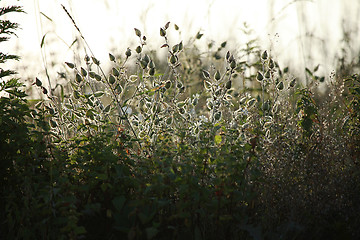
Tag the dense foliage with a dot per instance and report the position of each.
(218, 149)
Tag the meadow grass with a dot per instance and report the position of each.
(181, 148)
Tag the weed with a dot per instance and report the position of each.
(229, 148)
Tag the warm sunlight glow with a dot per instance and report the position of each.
(291, 30)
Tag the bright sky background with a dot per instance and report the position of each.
(108, 25)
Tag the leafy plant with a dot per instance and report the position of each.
(223, 146)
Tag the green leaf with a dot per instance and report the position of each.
(53, 123)
(98, 94)
(218, 139)
(107, 109)
(38, 82)
(89, 113)
(92, 74)
(316, 68)
(217, 75)
(309, 72)
(111, 79)
(119, 202)
(78, 78)
(162, 32)
(83, 72)
(206, 74)
(76, 95)
(95, 61)
(70, 65)
(111, 57)
(98, 77)
(151, 232)
(80, 230)
(259, 76)
(137, 32)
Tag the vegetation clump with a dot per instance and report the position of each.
(186, 148)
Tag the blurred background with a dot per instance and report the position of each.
(297, 33)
